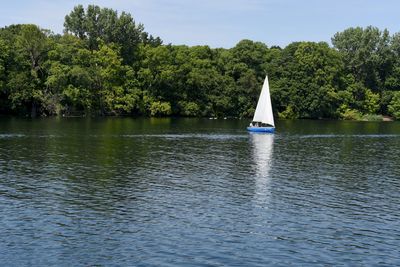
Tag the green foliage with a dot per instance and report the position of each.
(385, 99)
(288, 113)
(371, 102)
(309, 81)
(4, 54)
(189, 109)
(160, 109)
(4, 58)
(372, 117)
(367, 54)
(106, 64)
(25, 81)
(97, 24)
(350, 114)
(394, 106)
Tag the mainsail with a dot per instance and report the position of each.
(263, 112)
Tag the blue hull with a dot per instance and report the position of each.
(261, 129)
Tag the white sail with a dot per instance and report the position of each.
(264, 107)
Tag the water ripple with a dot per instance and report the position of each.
(96, 194)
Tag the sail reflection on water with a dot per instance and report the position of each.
(262, 145)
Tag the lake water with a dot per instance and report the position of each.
(198, 192)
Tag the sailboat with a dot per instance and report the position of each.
(263, 120)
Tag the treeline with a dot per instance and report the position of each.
(106, 64)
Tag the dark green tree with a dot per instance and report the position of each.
(95, 24)
(26, 77)
(366, 54)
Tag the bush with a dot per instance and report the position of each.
(371, 102)
(160, 109)
(289, 113)
(394, 106)
(372, 117)
(189, 109)
(351, 114)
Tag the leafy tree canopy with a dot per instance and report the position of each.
(106, 64)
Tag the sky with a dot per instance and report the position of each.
(222, 23)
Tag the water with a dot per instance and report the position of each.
(187, 192)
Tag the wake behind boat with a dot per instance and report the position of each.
(263, 120)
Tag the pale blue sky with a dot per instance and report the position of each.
(222, 23)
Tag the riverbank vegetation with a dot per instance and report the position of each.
(107, 64)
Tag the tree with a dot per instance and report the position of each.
(26, 79)
(106, 64)
(4, 57)
(76, 22)
(366, 54)
(253, 54)
(394, 106)
(95, 24)
(309, 81)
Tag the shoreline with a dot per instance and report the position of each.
(372, 118)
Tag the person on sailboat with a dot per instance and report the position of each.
(255, 124)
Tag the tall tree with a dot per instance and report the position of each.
(4, 58)
(308, 81)
(26, 79)
(95, 24)
(366, 54)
